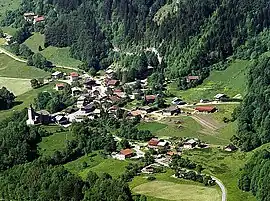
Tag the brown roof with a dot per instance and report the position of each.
(114, 98)
(150, 97)
(205, 109)
(112, 82)
(136, 112)
(60, 85)
(126, 152)
(153, 142)
(74, 74)
(193, 77)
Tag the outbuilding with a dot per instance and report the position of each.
(208, 109)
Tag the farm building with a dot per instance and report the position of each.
(220, 97)
(57, 75)
(124, 154)
(230, 148)
(192, 78)
(208, 109)
(38, 19)
(153, 143)
(190, 144)
(171, 111)
(29, 16)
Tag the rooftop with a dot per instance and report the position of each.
(126, 152)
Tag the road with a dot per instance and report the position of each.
(2, 50)
(222, 187)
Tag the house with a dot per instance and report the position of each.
(81, 101)
(190, 144)
(146, 109)
(89, 83)
(137, 113)
(38, 19)
(29, 16)
(112, 83)
(126, 153)
(76, 91)
(173, 110)
(150, 99)
(204, 101)
(192, 78)
(208, 109)
(230, 148)
(40, 117)
(61, 120)
(74, 76)
(88, 108)
(59, 86)
(221, 97)
(114, 98)
(163, 144)
(153, 143)
(120, 93)
(178, 101)
(57, 75)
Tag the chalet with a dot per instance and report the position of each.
(221, 97)
(173, 110)
(29, 16)
(192, 78)
(136, 113)
(208, 109)
(230, 148)
(76, 91)
(112, 83)
(89, 83)
(57, 75)
(163, 144)
(59, 86)
(61, 120)
(126, 153)
(41, 117)
(146, 109)
(190, 144)
(74, 76)
(88, 108)
(153, 143)
(150, 99)
(38, 19)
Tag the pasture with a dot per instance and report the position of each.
(58, 56)
(16, 85)
(178, 192)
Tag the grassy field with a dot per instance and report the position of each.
(189, 128)
(14, 69)
(225, 166)
(17, 86)
(96, 163)
(8, 5)
(179, 192)
(231, 81)
(24, 100)
(9, 30)
(55, 142)
(59, 56)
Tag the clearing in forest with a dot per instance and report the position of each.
(178, 192)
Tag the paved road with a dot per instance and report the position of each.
(222, 187)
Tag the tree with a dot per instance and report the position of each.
(124, 143)
(40, 61)
(1, 33)
(148, 158)
(25, 51)
(34, 83)
(6, 98)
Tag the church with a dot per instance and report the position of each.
(40, 117)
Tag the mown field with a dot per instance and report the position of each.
(16, 85)
(14, 69)
(58, 56)
(231, 81)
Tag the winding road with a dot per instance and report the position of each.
(222, 187)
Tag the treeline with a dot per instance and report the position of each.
(40, 181)
(253, 116)
(255, 175)
(7, 99)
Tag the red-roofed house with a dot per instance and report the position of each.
(192, 78)
(39, 19)
(59, 86)
(153, 143)
(126, 153)
(208, 109)
(150, 98)
(112, 83)
(74, 76)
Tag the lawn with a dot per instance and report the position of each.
(231, 81)
(24, 100)
(14, 69)
(58, 56)
(179, 192)
(16, 85)
(96, 163)
(225, 166)
(54, 142)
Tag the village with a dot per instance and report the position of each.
(105, 93)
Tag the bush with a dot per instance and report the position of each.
(151, 178)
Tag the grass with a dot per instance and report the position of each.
(225, 166)
(6, 5)
(190, 128)
(24, 100)
(55, 142)
(231, 81)
(58, 56)
(179, 192)
(14, 69)
(9, 30)
(96, 163)
(17, 86)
